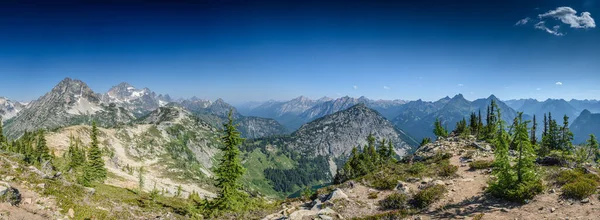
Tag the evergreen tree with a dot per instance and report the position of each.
(545, 131)
(425, 141)
(229, 171)
(371, 152)
(526, 154)
(439, 130)
(592, 145)
(141, 180)
(502, 168)
(75, 153)
(391, 152)
(461, 127)
(95, 170)
(2, 138)
(533, 130)
(479, 124)
(382, 151)
(42, 153)
(566, 136)
(473, 123)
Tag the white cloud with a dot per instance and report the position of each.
(542, 26)
(565, 15)
(523, 21)
(460, 85)
(386, 87)
(558, 83)
(355, 86)
(569, 16)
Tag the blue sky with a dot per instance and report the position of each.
(260, 50)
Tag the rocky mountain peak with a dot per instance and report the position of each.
(337, 133)
(585, 112)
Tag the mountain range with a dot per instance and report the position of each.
(308, 139)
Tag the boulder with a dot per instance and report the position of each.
(71, 213)
(9, 194)
(337, 194)
(403, 187)
(316, 205)
(327, 211)
(439, 182)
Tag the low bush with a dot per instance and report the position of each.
(394, 201)
(446, 169)
(373, 195)
(580, 188)
(429, 195)
(385, 182)
(391, 215)
(567, 176)
(517, 193)
(417, 168)
(481, 164)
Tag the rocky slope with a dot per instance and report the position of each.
(464, 196)
(173, 146)
(9, 108)
(68, 103)
(335, 135)
(216, 113)
(587, 123)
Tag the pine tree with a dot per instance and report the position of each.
(141, 180)
(41, 151)
(526, 155)
(2, 138)
(502, 168)
(479, 124)
(533, 130)
(592, 145)
(461, 127)
(371, 152)
(383, 153)
(425, 141)
(179, 190)
(566, 136)
(545, 131)
(438, 130)
(230, 171)
(95, 167)
(473, 123)
(391, 151)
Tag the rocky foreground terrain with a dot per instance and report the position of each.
(465, 197)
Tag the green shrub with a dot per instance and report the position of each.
(391, 215)
(517, 193)
(567, 176)
(417, 168)
(439, 156)
(394, 201)
(385, 182)
(580, 189)
(526, 191)
(373, 195)
(446, 169)
(481, 164)
(429, 195)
